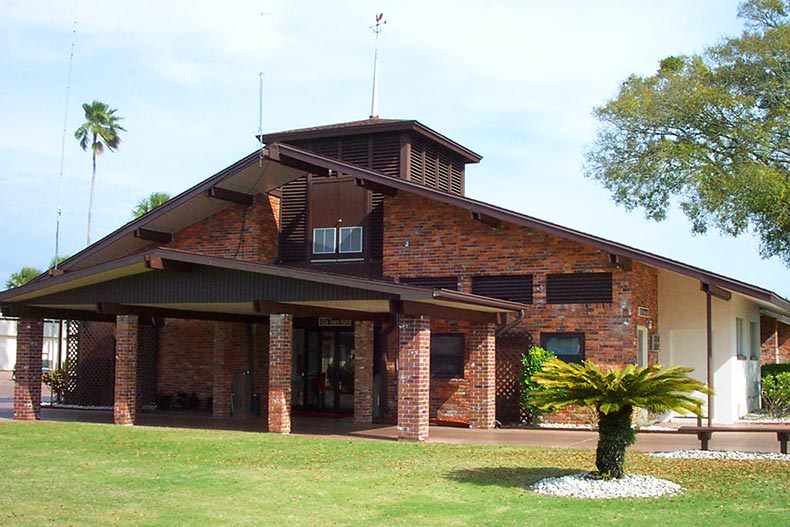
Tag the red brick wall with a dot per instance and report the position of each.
(222, 235)
(482, 381)
(27, 389)
(775, 341)
(280, 365)
(126, 350)
(363, 372)
(426, 238)
(413, 378)
(185, 358)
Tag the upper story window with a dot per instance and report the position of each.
(350, 239)
(579, 288)
(331, 240)
(515, 288)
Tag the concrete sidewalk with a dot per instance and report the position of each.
(344, 428)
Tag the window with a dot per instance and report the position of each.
(515, 288)
(579, 288)
(329, 240)
(568, 347)
(350, 239)
(447, 355)
(324, 241)
(740, 350)
(754, 341)
(641, 346)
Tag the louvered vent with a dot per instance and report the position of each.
(457, 177)
(292, 220)
(435, 282)
(417, 160)
(444, 172)
(377, 226)
(430, 165)
(356, 150)
(579, 288)
(515, 288)
(325, 147)
(386, 154)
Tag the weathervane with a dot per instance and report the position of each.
(374, 103)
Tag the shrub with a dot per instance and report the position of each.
(532, 363)
(774, 369)
(775, 394)
(56, 380)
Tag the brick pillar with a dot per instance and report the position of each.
(280, 365)
(363, 372)
(126, 350)
(221, 388)
(482, 376)
(414, 361)
(27, 390)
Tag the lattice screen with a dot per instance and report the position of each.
(90, 363)
(509, 348)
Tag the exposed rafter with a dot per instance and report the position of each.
(230, 195)
(153, 235)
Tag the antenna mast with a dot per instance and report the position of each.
(374, 103)
(63, 141)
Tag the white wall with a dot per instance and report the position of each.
(49, 350)
(682, 322)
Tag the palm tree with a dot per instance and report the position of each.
(22, 277)
(614, 394)
(146, 205)
(100, 129)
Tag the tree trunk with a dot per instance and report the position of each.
(614, 436)
(90, 196)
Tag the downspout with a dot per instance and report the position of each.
(510, 325)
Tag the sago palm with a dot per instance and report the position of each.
(614, 394)
(100, 129)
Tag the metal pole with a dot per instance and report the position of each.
(709, 310)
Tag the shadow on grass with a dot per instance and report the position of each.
(508, 476)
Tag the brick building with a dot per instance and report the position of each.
(343, 270)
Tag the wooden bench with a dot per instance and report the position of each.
(704, 433)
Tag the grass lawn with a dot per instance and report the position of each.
(87, 474)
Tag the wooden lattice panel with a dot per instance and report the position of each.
(509, 349)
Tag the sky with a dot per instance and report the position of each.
(514, 81)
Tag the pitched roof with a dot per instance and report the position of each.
(284, 153)
(370, 126)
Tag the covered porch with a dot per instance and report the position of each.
(259, 301)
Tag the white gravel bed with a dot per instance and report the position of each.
(722, 454)
(588, 486)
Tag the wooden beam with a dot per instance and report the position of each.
(113, 309)
(156, 262)
(11, 310)
(277, 308)
(376, 187)
(716, 291)
(55, 272)
(488, 220)
(407, 307)
(153, 235)
(274, 153)
(230, 195)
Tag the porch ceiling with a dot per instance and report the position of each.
(177, 284)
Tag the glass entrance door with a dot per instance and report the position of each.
(329, 370)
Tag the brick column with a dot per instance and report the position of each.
(363, 372)
(280, 365)
(221, 388)
(414, 360)
(482, 376)
(27, 390)
(126, 350)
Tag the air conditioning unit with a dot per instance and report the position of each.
(655, 342)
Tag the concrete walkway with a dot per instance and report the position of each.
(344, 428)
